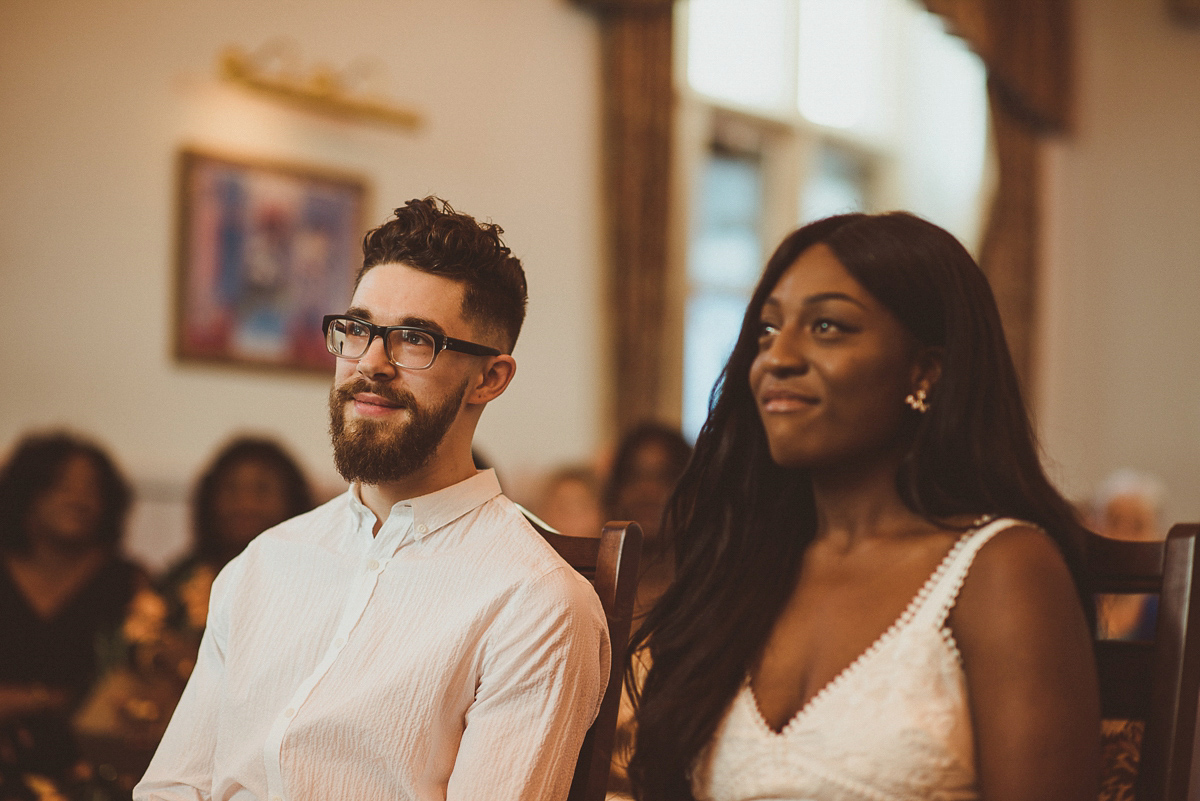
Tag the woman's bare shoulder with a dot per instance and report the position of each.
(1027, 656)
(1017, 561)
(1018, 586)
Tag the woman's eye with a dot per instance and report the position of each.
(827, 327)
(766, 329)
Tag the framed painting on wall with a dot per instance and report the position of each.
(265, 249)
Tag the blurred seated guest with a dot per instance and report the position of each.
(570, 502)
(251, 485)
(1128, 506)
(649, 461)
(64, 588)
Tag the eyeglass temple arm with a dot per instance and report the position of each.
(462, 346)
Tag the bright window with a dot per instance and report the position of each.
(842, 75)
(838, 182)
(855, 105)
(723, 264)
(742, 51)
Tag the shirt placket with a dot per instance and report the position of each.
(397, 529)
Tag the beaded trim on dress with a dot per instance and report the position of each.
(905, 618)
(894, 724)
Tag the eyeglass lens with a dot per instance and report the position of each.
(405, 346)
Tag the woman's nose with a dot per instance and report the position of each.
(784, 354)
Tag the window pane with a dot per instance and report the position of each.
(742, 50)
(713, 322)
(727, 250)
(836, 185)
(842, 63)
(944, 144)
(724, 262)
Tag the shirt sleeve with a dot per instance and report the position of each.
(543, 675)
(182, 768)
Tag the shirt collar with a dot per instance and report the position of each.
(437, 509)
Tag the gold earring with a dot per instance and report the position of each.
(917, 401)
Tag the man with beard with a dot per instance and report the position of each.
(414, 638)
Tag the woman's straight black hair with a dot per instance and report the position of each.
(740, 523)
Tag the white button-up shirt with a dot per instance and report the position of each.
(454, 655)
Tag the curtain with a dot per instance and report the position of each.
(1026, 46)
(636, 39)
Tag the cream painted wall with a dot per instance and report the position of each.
(1120, 371)
(95, 100)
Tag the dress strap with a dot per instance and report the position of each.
(944, 592)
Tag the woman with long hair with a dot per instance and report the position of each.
(64, 589)
(877, 591)
(650, 458)
(250, 485)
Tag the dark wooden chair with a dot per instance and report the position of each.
(610, 562)
(1157, 682)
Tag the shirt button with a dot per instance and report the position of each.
(339, 642)
(421, 529)
(289, 712)
(373, 564)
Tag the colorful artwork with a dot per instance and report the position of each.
(265, 250)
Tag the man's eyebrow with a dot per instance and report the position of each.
(423, 322)
(412, 322)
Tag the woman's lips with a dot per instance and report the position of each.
(779, 400)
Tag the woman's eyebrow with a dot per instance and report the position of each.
(820, 297)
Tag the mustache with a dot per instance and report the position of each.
(346, 392)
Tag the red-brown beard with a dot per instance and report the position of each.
(376, 452)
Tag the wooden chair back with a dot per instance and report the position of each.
(1156, 682)
(610, 562)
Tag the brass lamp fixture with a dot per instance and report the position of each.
(271, 72)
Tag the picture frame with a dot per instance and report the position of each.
(265, 249)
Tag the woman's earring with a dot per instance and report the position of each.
(917, 401)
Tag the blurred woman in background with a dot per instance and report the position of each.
(570, 501)
(1128, 506)
(649, 460)
(63, 585)
(251, 485)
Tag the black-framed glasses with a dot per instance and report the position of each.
(405, 346)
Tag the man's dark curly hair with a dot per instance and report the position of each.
(430, 236)
(35, 465)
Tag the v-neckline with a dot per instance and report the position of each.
(65, 605)
(905, 617)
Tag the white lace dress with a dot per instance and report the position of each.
(895, 724)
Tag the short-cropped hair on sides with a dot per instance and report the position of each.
(429, 235)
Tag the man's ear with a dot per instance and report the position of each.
(491, 384)
(927, 368)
